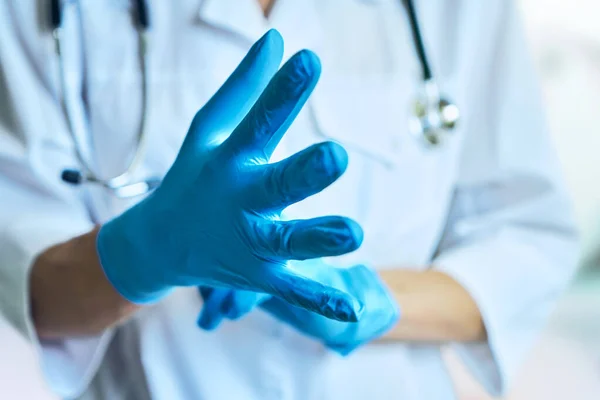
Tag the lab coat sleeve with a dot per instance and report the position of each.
(510, 239)
(36, 210)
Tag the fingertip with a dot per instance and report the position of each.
(266, 55)
(355, 233)
(338, 152)
(200, 321)
(300, 76)
(335, 160)
(310, 61)
(205, 322)
(233, 314)
(274, 37)
(341, 235)
(272, 42)
(343, 307)
(210, 316)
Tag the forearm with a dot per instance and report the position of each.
(70, 295)
(434, 308)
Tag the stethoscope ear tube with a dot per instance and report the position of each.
(142, 14)
(55, 14)
(415, 28)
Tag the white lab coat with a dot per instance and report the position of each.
(489, 208)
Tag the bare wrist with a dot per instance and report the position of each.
(70, 295)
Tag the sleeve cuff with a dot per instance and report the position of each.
(68, 365)
(511, 282)
(482, 359)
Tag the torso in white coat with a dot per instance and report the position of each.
(398, 191)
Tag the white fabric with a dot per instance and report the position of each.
(489, 208)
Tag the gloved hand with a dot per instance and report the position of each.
(380, 313)
(215, 220)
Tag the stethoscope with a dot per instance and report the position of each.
(123, 185)
(433, 118)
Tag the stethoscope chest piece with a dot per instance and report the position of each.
(434, 118)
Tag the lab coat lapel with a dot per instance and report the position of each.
(241, 17)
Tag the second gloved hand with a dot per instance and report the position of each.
(380, 312)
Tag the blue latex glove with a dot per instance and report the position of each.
(380, 314)
(215, 220)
